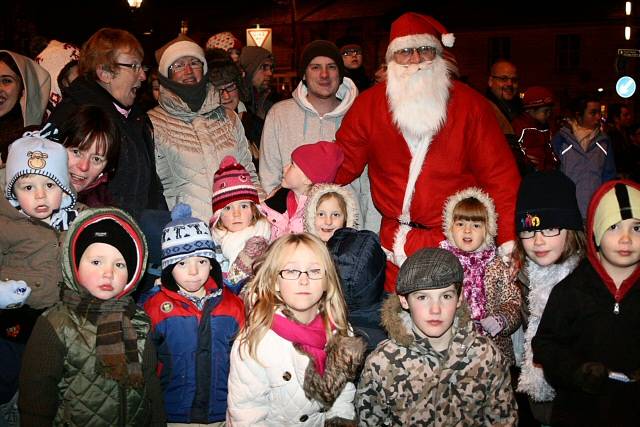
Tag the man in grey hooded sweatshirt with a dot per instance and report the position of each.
(314, 114)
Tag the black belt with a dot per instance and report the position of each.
(413, 224)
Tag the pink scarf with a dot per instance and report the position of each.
(312, 337)
(474, 265)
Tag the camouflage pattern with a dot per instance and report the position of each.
(405, 382)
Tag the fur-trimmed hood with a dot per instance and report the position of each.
(397, 321)
(92, 216)
(319, 190)
(482, 197)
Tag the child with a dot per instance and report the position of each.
(310, 164)
(294, 359)
(550, 245)
(532, 132)
(470, 225)
(88, 361)
(332, 214)
(194, 320)
(37, 208)
(588, 338)
(38, 205)
(434, 370)
(330, 207)
(585, 152)
(239, 228)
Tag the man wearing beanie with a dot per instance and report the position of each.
(314, 113)
(587, 340)
(192, 130)
(258, 64)
(424, 136)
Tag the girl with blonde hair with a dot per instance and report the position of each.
(295, 359)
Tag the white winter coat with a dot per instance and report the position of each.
(190, 145)
(270, 393)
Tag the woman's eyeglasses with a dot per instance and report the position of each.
(136, 68)
(178, 67)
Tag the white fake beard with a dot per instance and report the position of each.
(418, 96)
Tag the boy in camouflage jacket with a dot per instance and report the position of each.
(434, 370)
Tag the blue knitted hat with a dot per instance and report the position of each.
(185, 237)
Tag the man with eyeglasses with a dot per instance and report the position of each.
(503, 95)
(351, 51)
(424, 136)
(193, 131)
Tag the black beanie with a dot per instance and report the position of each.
(547, 200)
(112, 233)
(321, 48)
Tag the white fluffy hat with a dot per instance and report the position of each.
(176, 49)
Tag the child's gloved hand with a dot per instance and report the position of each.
(492, 325)
(590, 377)
(13, 293)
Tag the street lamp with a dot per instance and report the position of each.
(134, 4)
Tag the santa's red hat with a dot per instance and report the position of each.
(415, 30)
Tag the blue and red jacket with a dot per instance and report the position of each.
(193, 355)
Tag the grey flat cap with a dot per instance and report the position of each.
(429, 268)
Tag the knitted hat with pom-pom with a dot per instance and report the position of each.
(185, 237)
(231, 183)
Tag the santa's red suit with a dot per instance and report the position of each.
(469, 150)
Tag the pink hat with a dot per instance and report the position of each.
(224, 41)
(319, 162)
(414, 30)
(536, 97)
(232, 182)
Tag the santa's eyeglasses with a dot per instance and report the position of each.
(426, 53)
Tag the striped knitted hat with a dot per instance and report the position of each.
(185, 237)
(232, 182)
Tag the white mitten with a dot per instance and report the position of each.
(13, 293)
(505, 250)
(492, 325)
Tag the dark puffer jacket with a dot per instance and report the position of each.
(135, 185)
(361, 265)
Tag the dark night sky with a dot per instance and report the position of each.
(75, 20)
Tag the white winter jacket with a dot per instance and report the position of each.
(270, 393)
(189, 147)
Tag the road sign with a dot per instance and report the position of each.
(633, 53)
(625, 86)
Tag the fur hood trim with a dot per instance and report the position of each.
(319, 190)
(397, 321)
(345, 355)
(482, 197)
(413, 40)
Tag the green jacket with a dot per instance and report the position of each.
(59, 384)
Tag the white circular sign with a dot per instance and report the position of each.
(625, 86)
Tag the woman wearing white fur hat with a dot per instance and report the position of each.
(193, 130)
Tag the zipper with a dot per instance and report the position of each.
(616, 306)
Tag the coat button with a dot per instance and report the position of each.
(273, 220)
(37, 284)
(304, 418)
(286, 376)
